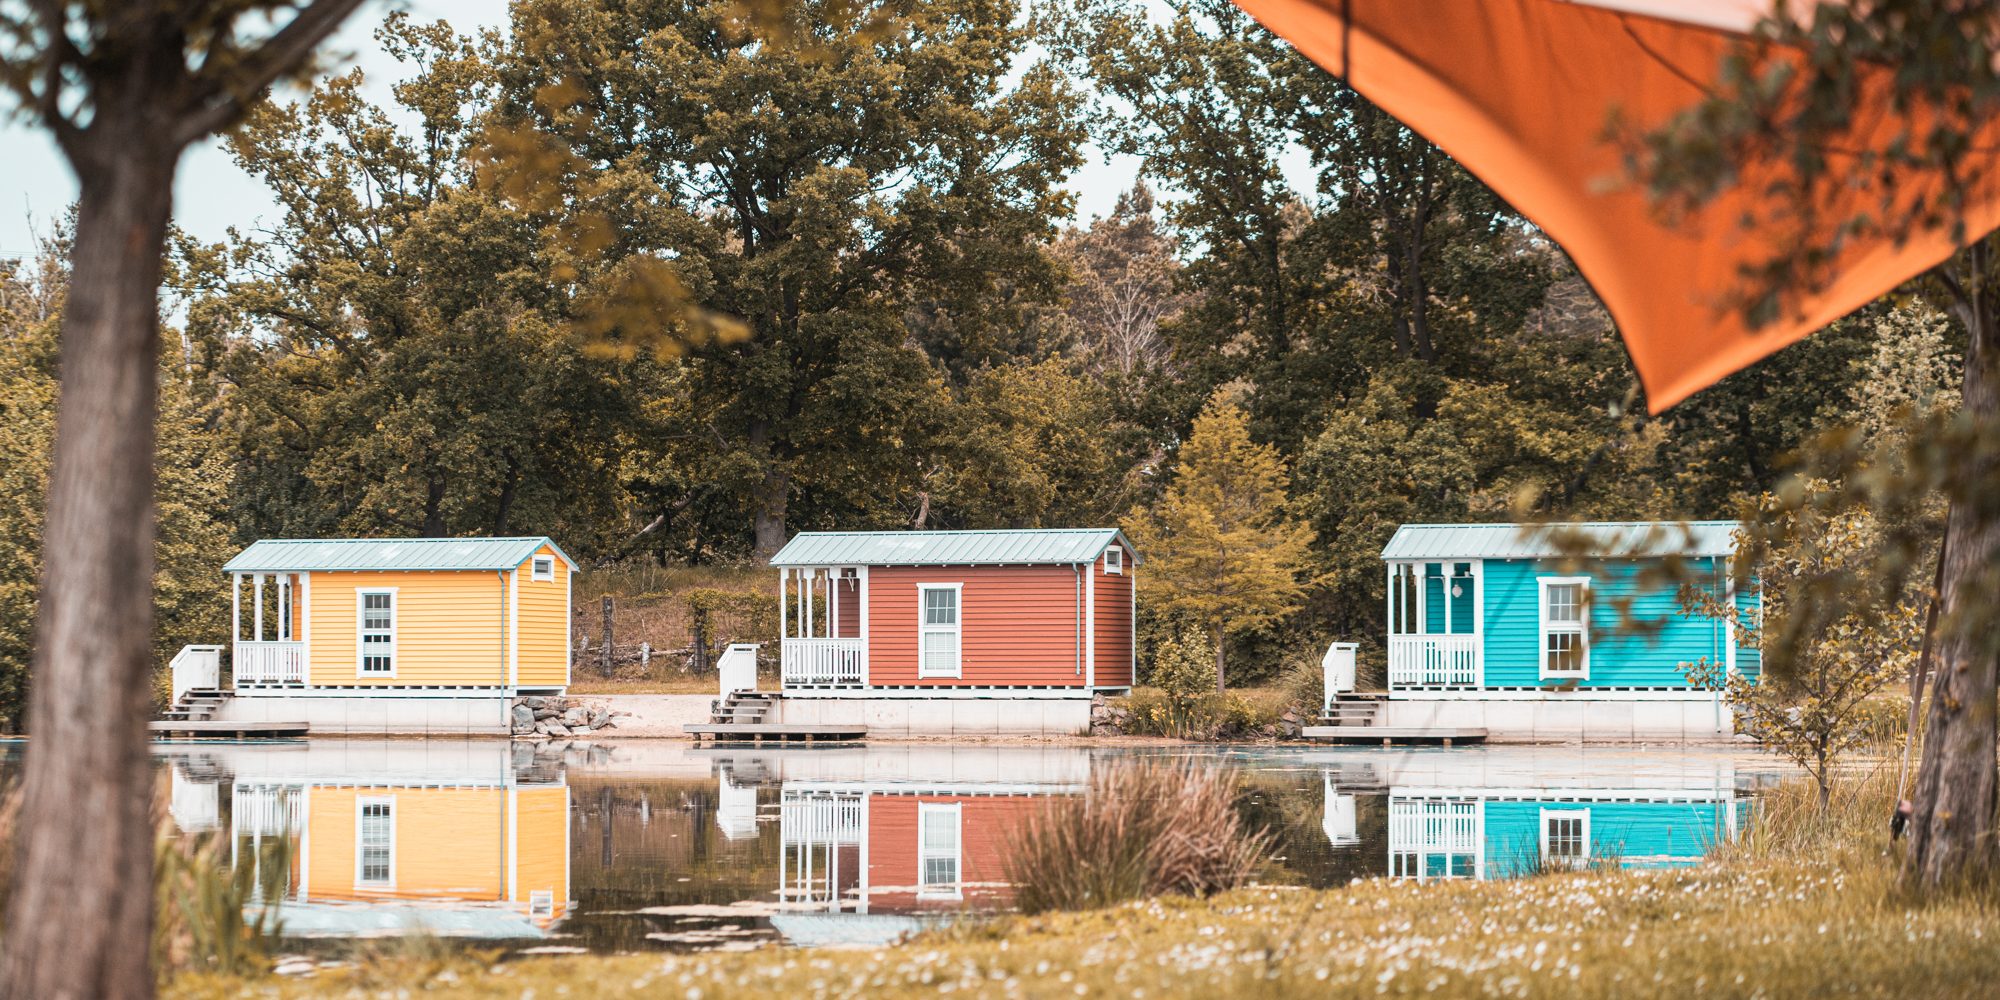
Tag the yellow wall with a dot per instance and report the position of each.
(450, 843)
(545, 625)
(450, 627)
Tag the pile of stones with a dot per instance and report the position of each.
(1107, 719)
(559, 718)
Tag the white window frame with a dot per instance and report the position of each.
(542, 569)
(542, 903)
(1114, 560)
(361, 804)
(957, 630)
(1582, 816)
(1581, 628)
(361, 596)
(956, 853)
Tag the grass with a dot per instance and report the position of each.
(583, 685)
(1814, 907)
(1139, 829)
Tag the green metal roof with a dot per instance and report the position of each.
(1029, 547)
(1630, 539)
(292, 555)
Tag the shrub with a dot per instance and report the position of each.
(1139, 830)
(207, 917)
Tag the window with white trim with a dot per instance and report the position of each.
(938, 632)
(375, 858)
(377, 624)
(1114, 560)
(1565, 631)
(1566, 837)
(542, 903)
(542, 569)
(939, 849)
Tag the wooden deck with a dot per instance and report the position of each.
(1386, 735)
(761, 731)
(211, 727)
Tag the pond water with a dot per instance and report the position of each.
(666, 845)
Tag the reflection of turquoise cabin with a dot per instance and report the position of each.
(1435, 836)
(1507, 627)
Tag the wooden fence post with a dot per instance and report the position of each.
(604, 655)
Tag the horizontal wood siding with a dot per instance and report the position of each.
(544, 625)
(1646, 650)
(1020, 625)
(985, 824)
(1114, 625)
(849, 625)
(450, 627)
(541, 847)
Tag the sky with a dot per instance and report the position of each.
(211, 194)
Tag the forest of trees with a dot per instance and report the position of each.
(916, 330)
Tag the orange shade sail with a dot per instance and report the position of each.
(1523, 93)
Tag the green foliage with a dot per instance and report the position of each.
(1840, 634)
(209, 903)
(192, 492)
(1221, 545)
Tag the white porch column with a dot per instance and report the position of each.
(784, 618)
(257, 614)
(1479, 621)
(235, 608)
(833, 604)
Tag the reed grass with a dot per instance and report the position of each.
(1140, 829)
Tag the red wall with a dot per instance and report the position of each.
(1114, 625)
(1018, 625)
(848, 625)
(986, 822)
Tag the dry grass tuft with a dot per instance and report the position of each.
(1141, 829)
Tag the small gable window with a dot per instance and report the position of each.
(544, 568)
(1114, 560)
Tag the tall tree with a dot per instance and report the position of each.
(1926, 75)
(1222, 546)
(124, 88)
(906, 167)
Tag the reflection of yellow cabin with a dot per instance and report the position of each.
(384, 844)
(376, 615)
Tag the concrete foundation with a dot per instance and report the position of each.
(331, 714)
(892, 718)
(1568, 720)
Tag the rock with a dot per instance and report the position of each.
(557, 729)
(599, 715)
(524, 718)
(546, 712)
(536, 703)
(575, 717)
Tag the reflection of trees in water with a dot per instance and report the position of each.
(638, 843)
(1292, 804)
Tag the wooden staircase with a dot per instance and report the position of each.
(1354, 709)
(740, 708)
(197, 705)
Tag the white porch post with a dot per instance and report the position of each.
(1479, 622)
(235, 608)
(304, 626)
(784, 619)
(863, 584)
(833, 604)
(257, 614)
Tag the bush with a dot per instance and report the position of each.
(1139, 830)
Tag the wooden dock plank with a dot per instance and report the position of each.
(772, 731)
(1394, 734)
(212, 727)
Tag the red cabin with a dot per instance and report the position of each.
(870, 613)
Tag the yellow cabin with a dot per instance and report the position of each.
(403, 617)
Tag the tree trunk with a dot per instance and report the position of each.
(1221, 641)
(769, 520)
(81, 918)
(1951, 828)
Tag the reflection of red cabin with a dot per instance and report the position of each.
(941, 852)
(958, 609)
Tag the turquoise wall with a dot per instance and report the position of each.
(1642, 834)
(1645, 649)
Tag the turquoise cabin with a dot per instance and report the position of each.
(1558, 631)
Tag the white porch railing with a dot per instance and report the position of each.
(1435, 838)
(1433, 660)
(196, 667)
(823, 661)
(270, 663)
